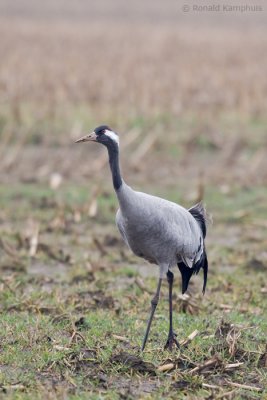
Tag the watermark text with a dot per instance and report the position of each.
(242, 8)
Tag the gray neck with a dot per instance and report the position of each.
(113, 152)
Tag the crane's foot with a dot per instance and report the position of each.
(171, 341)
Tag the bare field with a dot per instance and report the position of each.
(134, 69)
(190, 102)
(199, 90)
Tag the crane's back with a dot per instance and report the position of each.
(157, 229)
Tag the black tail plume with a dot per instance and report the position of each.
(205, 266)
(187, 272)
(199, 213)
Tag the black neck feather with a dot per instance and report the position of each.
(113, 152)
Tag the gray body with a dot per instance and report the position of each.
(158, 230)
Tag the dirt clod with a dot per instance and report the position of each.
(134, 362)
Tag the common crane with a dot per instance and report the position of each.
(158, 230)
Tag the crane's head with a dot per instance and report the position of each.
(102, 134)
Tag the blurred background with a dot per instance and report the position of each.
(185, 86)
(192, 84)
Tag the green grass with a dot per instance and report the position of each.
(43, 352)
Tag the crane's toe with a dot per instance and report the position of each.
(171, 341)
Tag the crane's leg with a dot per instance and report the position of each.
(171, 338)
(154, 303)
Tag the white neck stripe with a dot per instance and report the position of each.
(112, 135)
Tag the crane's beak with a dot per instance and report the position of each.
(87, 138)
